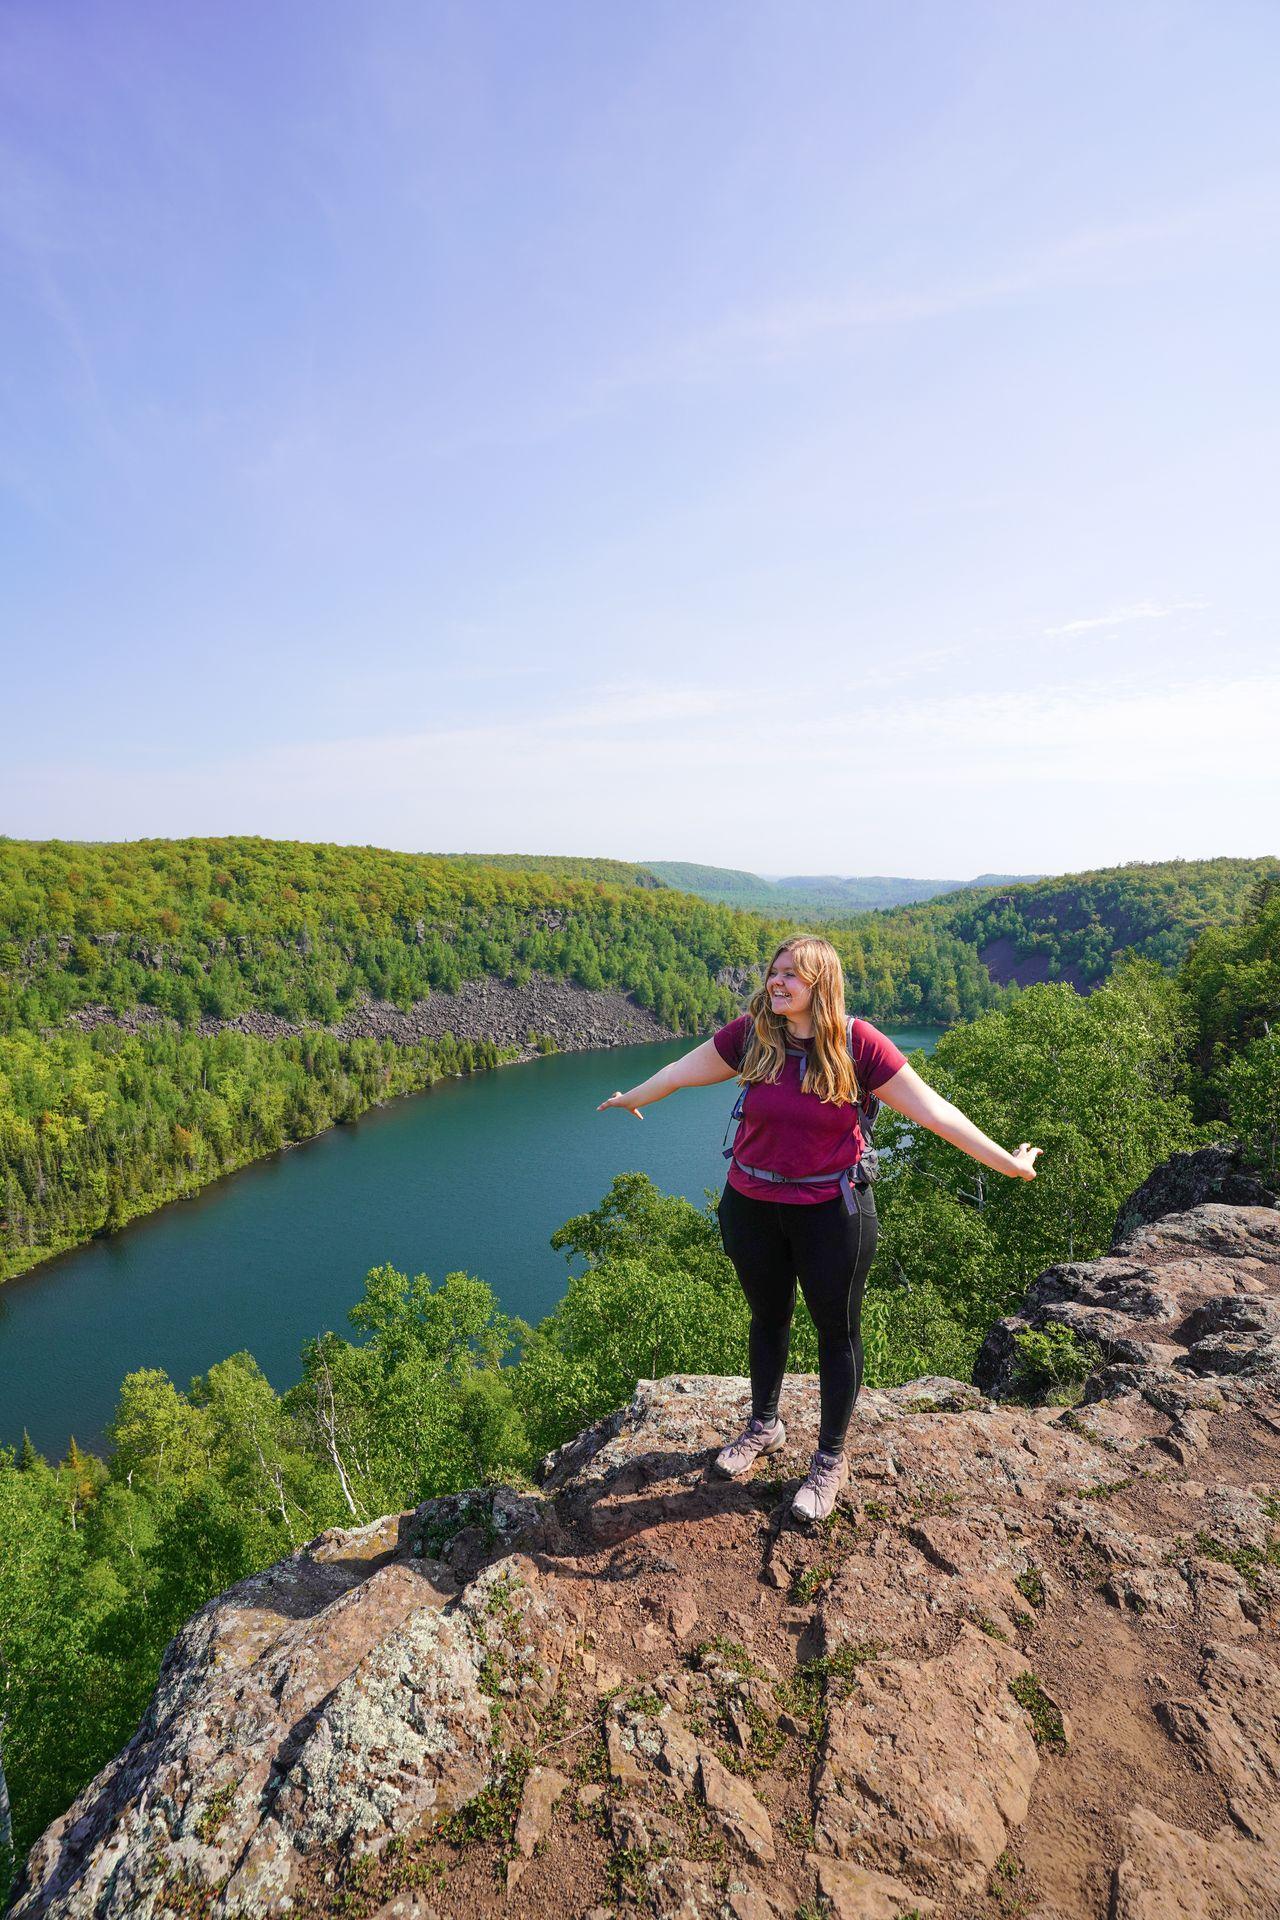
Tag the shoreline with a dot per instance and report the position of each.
(578, 1039)
(575, 1019)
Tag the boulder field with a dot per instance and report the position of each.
(1029, 1668)
(575, 1018)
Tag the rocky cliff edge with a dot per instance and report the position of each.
(1030, 1667)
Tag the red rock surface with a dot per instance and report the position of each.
(1030, 1667)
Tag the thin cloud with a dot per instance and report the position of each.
(614, 773)
(1125, 251)
(1124, 616)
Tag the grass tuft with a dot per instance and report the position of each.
(1247, 1561)
(1047, 1728)
(817, 1685)
(1030, 1584)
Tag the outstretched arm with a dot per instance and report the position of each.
(701, 1068)
(916, 1100)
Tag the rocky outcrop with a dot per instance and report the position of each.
(499, 1010)
(575, 1018)
(1187, 1180)
(1008, 965)
(1186, 1294)
(1030, 1667)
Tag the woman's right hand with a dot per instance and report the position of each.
(620, 1100)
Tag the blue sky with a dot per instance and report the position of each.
(809, 437)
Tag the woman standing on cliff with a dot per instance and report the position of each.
(795, 1207)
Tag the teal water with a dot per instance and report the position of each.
(474, 1174)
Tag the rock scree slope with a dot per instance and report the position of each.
(1029, 1667)
(575, 1018)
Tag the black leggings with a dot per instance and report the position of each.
(772, 1243)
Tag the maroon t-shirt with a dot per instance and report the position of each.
(786, 1130)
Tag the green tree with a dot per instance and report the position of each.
(621, 1321)
(421, 1407)
(658, 1296)
(1098, 1082)
(159, 1440)
(285, 1496)
(45, 1662)
(1250, 1084)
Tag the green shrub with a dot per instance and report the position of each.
(1051, 1366)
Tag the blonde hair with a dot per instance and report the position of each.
(829, 1070)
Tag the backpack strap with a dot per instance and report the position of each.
(868, 1108)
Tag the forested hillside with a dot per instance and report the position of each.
(730, 886)
(1076, 926)
(176, 939)
(616, 873)
(222, 926)
(829, 896)
(835, 895)
(1232, 978)
(99, 1126)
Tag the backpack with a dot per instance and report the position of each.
(861, 1173)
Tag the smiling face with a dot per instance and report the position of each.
(789, 995)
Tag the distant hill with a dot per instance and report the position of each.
(838, 894)
(729, 886)
(1021, 930)
(1073, 927)
(827, 895)
(614, 873)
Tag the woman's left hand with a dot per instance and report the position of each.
(620, 1100)
(1025, 1158)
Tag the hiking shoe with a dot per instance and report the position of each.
(741, 1454)
(816, 1497)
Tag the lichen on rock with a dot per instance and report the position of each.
(1032, 1658)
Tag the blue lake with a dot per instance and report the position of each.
(474, 1174)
